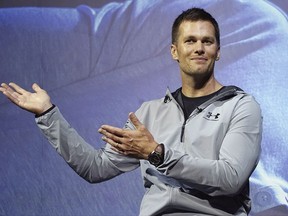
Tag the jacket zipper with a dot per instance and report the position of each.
(199, 110)
(182, 131)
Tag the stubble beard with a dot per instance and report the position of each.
(199, 76)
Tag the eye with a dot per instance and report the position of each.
(208, 42)
(190, 40)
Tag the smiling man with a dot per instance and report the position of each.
(196, 49)
(196, 147)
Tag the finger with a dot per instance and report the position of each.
(115, 149)
(123, 152)
(17, 88)
(102, 131)
(110, 141)
(110, 136)
(9, 93)
(115, 145)
(36, 87)
(118, 151)
(4, 88)
(113, 130)
(135, 121)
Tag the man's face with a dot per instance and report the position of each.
(196, 49)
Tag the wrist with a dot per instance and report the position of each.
(47, 106)
(156, 157)
(46, 110)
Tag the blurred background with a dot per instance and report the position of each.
(101, 60)
(93, 3)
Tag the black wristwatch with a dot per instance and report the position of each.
(156, 157)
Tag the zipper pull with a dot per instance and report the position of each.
(182, 131)
(199, 109)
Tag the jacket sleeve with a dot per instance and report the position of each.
(94, 165)
(238, 156)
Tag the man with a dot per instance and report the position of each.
(196, 147)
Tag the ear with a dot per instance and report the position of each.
(174, 53)
(218, 54)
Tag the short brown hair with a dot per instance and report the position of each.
(194, 14)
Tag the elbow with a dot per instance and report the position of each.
(232, 185)
(95, 177)
(232, 189)
(92, 181)
(88, 177)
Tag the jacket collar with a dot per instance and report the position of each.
(225, 93)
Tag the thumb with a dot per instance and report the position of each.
(36, 87)
(135, 121)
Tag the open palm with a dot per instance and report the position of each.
(36, 102)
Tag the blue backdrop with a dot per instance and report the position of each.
(98, 64)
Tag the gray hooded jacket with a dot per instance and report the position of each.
(208, 158)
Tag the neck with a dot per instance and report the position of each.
(199, 88)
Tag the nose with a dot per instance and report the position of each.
(199, 47)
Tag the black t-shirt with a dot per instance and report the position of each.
(190, 104)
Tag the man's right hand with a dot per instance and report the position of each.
(37, 102)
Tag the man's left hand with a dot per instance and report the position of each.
(137, 143)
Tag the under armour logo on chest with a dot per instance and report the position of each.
(211, 116)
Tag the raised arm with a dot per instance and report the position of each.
(94, 165)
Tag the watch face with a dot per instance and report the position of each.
(154, 158)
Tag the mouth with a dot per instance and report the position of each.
(199, 59)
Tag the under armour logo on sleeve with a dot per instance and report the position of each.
(167, 99)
